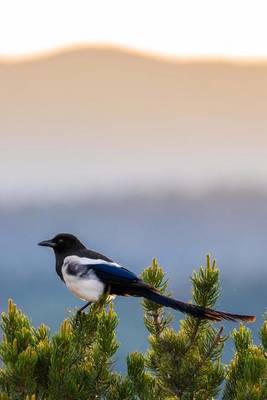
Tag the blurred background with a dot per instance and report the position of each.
(141, 128)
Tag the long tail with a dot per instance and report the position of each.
(191, 309)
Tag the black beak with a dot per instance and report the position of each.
(47, 243)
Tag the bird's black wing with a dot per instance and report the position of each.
(118, 280)
(111, 274)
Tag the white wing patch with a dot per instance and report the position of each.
(87, 261)
(88, 288)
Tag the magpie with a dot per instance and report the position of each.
(88, 275)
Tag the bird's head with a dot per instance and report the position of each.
(63, 243)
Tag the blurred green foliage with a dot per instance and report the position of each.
(184, 363)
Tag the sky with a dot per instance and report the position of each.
(190, 28)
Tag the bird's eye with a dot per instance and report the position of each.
(61, 241)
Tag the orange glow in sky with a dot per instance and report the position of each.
(169, 27)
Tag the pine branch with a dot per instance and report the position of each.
(211, 353)
(188, 361)
(155, 316)
(247, 372)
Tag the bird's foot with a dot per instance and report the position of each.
(83, 307)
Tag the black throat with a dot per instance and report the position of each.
(59, 264)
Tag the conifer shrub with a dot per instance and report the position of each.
(77, 363)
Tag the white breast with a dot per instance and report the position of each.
(89, 288)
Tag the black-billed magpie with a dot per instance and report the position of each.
(89, 275)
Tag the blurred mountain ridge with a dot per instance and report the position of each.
(114, 122)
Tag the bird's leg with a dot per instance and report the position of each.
(83, 307)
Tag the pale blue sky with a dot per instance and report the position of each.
(169, 27)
